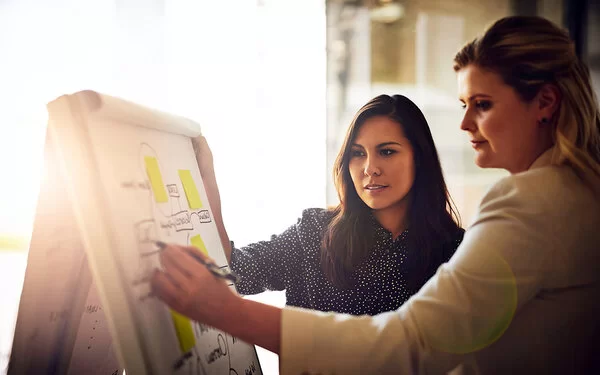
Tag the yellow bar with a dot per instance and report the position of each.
(189, 186)
(199, 244)
(185, 332)
(158, 187)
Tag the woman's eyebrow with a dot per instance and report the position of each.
(381, 145)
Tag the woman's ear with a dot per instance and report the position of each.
(548, 100)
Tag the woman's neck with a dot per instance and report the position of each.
(393, 219)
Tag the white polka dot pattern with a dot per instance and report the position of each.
(291, 262)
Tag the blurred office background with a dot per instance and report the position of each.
(274, 84)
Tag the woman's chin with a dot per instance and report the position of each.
(380, 206)
(483, 161)
(375, 206)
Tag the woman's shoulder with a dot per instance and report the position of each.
(315, 216)
(552, 199)
(547, 189)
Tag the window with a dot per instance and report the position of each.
(407, 47)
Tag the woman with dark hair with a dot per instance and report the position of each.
(394, 225)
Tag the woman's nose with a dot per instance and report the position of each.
(372, 168)
(468, 123)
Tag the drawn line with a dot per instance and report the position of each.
(199, 361)
(151, 253)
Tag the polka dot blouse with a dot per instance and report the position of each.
(291, 262)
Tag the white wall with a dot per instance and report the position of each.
(252, 73)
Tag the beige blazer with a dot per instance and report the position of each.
(521, 295)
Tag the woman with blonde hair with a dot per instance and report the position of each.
(521, 295)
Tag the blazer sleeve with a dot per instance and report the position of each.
(499, 266)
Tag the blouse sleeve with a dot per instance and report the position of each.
(270, 265)
(467, 305)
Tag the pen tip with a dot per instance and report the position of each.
(160, 244)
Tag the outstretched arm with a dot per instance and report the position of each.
(264, 265)
(465, 307)
(190, 289)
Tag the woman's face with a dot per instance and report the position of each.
(504, 130)
(381, 164)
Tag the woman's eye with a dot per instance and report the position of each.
(356, 153)
(387, 152)
(483, 104)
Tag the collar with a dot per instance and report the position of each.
(383, 234)
(544, 160)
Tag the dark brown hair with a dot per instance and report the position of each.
(432, 217)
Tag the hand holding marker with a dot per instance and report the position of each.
(213, 268)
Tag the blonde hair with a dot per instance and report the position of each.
(529, 52)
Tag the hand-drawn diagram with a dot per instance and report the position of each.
(171, 219)
(219, 352)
